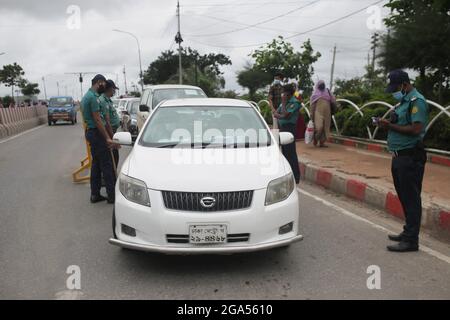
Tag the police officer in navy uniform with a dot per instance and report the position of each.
(406, 129)
(99, 140)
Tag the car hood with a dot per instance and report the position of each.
(206, 170)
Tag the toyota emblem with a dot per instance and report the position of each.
(208, 202)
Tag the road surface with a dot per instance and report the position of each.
(48, 224)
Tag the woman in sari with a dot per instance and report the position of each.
(321, 101)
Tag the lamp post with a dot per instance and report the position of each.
(139, 52)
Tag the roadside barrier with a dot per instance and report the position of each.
(16, 120)
(86, 163)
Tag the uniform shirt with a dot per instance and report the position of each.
(293, 107)
(89, 104)
(275, 92)
(412, 108)
(107, 108)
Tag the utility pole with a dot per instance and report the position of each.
(125, 80)
(57, 85)
(374, 47)
(80, 79)
(332, 68)
(179, 40)
(45, 89)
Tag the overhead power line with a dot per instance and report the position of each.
(258, 23)
(298, 33)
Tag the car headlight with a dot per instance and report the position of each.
(279, 189)
(134, 190)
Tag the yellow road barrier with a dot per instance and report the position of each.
(86, 163)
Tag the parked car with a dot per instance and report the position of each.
(129, 121)
(122, 106)
(153, 95)
(167, 201)
(61, 108)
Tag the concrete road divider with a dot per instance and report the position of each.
(16, 120)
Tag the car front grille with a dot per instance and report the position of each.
(184, 238)
(192, 201)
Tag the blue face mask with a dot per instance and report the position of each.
(399, 95)
(276, 81)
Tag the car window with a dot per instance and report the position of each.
(175, 93)
(145, 96)
(212, 126)
(60, 101)
(134, 108)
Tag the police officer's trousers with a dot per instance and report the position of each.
(407, 172)
(101, 163)
(290, 151)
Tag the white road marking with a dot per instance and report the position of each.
(21, 134)
(423, 248)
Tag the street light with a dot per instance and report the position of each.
(139, 52)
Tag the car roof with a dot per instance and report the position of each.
(171, 86)
(206, 102)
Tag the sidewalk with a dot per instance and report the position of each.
(366, 176)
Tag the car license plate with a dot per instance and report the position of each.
(207, 234)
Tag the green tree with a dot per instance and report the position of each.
(279, 55)
(253, 79)
(11, 76)
(418, 39)
(30, 89)
(197, 69)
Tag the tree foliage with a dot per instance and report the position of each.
(418, 39)
(30, 89)
(11, 75)
(253, 79)
(280, 55)
(202, 70)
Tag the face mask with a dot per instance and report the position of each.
(276, 81)
(399, 95)
(101, 89)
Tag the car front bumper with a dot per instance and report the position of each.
(154, 224)
(211, 249)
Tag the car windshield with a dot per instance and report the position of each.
(134, 107)
(178, 93)
(60, 102)
(192, 127)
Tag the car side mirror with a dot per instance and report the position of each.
(286, 138)
(123, 138)
(144, 108)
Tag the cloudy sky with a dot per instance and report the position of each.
(44, 36)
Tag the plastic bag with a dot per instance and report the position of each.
(309, 133)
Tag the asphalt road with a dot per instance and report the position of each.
(48, 224)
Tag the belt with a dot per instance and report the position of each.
(404, 152)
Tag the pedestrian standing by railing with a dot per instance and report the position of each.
(406, 129)
(287, 115)
(321, 110)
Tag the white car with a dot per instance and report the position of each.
(200, 180)
(153, 95)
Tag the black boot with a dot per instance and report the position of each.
(99, 198)
(111, 199)
(404, 246)
(396, 237)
